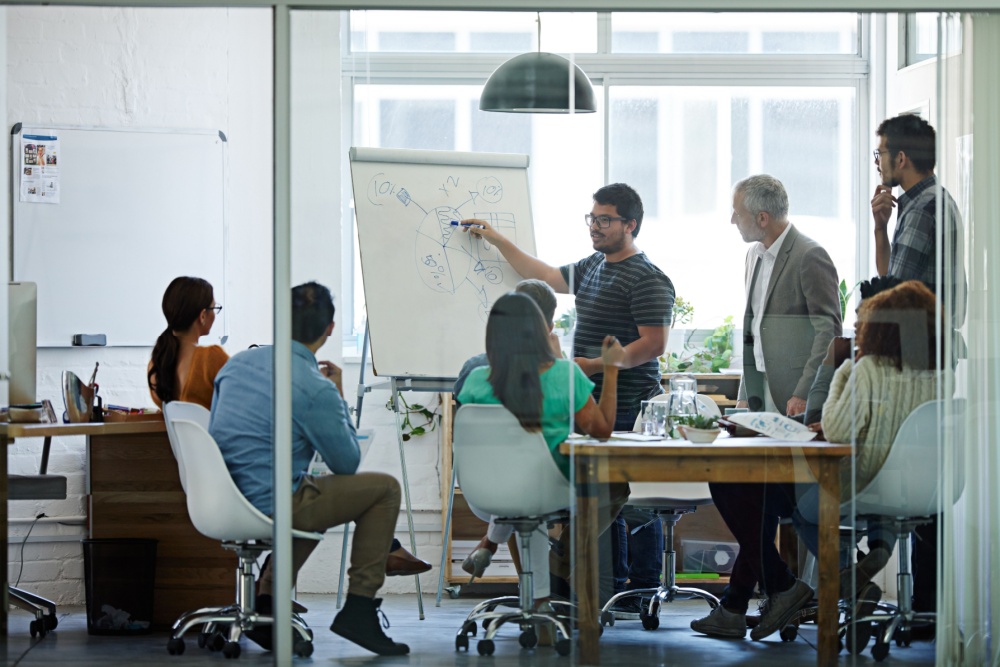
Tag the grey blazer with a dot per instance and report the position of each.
(801, 316)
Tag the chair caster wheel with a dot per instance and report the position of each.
(789, 633)
(50, 622)
(607, 618)
(486, 625)
(175, 646)
(528, 639)
(485, 647)
(203, 638)
(231, 650)
(469, 629)
(564, 647)
(37, 628)
(454, 592)
(903, 637)
(303, 648)
(462, 642)
(880, 651)
(649, 621)
(216, 642)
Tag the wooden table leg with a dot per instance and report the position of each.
(586, 570)
(829, 545)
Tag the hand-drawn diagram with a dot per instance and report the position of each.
(447, 258)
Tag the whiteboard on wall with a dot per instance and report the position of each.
(136, 209)
(428, 285)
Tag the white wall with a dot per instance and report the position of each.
(191, 68)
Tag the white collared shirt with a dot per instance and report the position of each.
(766, 257)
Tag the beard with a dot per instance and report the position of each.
(608, 245)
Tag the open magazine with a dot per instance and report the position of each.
(773, 425)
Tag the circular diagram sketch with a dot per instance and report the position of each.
(443, 251)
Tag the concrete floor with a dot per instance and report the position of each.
(432, 643)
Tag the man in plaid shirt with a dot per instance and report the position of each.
(905, 157)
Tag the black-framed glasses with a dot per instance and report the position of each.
(603, 221)
(217, 308)
(878, 154)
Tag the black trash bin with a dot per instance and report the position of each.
(119, 577)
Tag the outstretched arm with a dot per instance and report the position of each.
(526, 265)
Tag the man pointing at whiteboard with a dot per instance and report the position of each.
(619, 292)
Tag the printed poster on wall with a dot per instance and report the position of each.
(40, 168)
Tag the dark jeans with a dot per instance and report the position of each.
(635, 558)
(751, 511)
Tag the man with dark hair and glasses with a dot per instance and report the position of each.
(242, 425)
(620, 292)
(905, 157)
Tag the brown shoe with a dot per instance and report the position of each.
(401, 563)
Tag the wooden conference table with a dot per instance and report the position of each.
(134, 491)
(729, 459)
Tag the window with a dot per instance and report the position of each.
(921, 36)
(681, 131)
(702, 141)
(699, 33)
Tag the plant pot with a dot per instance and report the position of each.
(701, 436)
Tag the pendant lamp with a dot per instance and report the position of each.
(538, 83)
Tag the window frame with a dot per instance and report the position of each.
(608, 69)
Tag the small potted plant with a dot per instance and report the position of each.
(698, 428)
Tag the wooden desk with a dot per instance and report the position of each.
(727, 460)
(133, 490)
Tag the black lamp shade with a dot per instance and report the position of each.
(537, 82)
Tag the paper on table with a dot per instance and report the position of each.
(774, 425)
(635, 437)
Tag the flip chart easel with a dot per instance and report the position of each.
(396, 385)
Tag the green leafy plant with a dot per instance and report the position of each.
(842, 288)
(566, 321)
(712, 358)
(697, 421)
(414, 413)
(683, 311)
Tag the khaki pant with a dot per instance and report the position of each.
(370, 500)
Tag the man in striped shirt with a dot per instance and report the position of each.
(618, 292)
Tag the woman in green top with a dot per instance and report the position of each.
(527, 379)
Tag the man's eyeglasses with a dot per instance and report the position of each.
(602, 221)
(217, 308)
(878, 154)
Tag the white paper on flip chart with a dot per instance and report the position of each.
(773, 425)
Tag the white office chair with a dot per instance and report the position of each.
(904, 491)
(508, 472)
(219, 510)
(181, 410)
(669, 501)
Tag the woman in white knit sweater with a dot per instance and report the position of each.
(872, 395)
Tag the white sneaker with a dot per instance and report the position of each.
(722, 623)
(779, 609)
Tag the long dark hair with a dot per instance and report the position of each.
(183, 303)
(516, 345)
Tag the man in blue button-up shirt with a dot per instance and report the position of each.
(242, 425)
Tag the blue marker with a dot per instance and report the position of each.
(456, 223)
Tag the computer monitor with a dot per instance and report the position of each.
(22, 324)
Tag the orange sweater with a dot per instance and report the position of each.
(200, 382)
